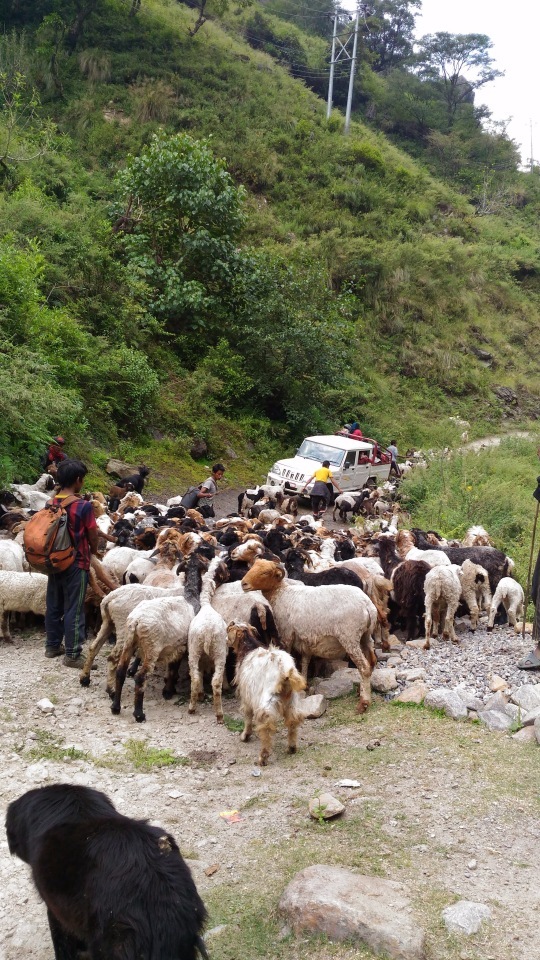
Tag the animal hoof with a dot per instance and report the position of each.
(140, 717)
(292, 750)
(191, 709)
(168, 694)
(263, 761)
(362, 706)
(115, 709)
(219, 718)
(84, 680)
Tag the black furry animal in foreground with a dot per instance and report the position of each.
(114, 887)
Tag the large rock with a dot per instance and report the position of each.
(346, 906)
(447, 700)
(121, 469)
(465, 917)
(525, 735)
(529, 719)
(199, 449)
(495, 719)
(383, 680)
(527, 697)
(471, 701)
(414, 693)
(537, 730)
(313, 707)
(339, 684)
(326, 806)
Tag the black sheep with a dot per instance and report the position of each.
(113, 887)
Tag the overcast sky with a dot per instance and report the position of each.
(514, 29)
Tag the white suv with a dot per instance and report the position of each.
(351, 463)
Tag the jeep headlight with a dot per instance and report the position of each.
(276, 469)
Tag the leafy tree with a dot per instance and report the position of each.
(182, 215)
(459, 63)
(387, 28)
(24, 135)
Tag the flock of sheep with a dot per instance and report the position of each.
(276, 590)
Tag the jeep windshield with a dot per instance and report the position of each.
(319, 451)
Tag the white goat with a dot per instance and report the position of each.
(475, 590)
(208, 635)
(268, 683)
(510, 593)
(442, 589)
(434, 558)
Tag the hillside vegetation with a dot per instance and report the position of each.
(292, 277)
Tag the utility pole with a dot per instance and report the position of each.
(340, 54)
(351, 77)
(332, 62)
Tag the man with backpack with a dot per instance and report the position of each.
(64, 618)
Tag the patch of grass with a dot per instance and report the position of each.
(145, 757)
(50, 747)
(236, 726)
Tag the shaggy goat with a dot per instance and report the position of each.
(147, 907)
(475, 590)
(320, 621)
(268, 683)
(510, 593)
(208, 635)
(442, 590)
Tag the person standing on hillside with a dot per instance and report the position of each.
(322, 489)
(64, 617)
(209, 487)
(393, 451)
(54, 454)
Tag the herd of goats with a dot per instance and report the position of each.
(265, 590)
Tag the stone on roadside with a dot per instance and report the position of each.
(465, 917)
(536, 729)
(519, 628)
(121, 469)
(313, 707)
(338, 685)
(326, 806)
(419, 644)
(394, 643)
(527, 696)
(447, 700)
(414, 693)
(528, 719)
(383, 680)
(347, 906)
(497, 683)
(471, 701)
(495, 719)
(525, 735)
(45, 706)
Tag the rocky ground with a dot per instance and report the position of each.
(447, 809)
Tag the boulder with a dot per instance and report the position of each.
(497, 683)
(527, 697)
(339, 684)
(383, 680)
(414, 693)
(471, 701)
(465, 917)
(326, 806)
(497, 702)
(495, 719)
(528, 719)
(199, 448)
(347, 906)
(313, 707)
(447, 700)
(506, 395)
(536, 729)
(525, 735)
(121, 469)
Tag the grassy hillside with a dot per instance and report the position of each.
(376, 286)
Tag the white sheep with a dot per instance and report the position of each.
(208, 635)
(268, 683)
(158, 631)
(442, 590)
(325, 621)
(510, 593)
(21, 593)
(115, 609)
(12, 556)
(434, 558)
(33, 496)
(117, 560)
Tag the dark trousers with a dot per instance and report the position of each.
(394, 469)
(64, 619)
